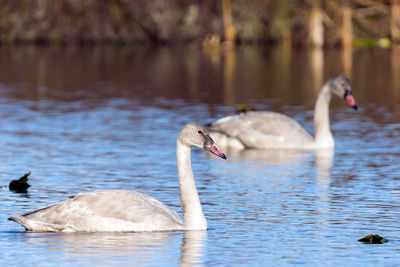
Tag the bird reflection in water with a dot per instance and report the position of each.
(141, 247)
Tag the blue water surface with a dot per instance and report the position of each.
(262, 207)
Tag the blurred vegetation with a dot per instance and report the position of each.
(177, 21)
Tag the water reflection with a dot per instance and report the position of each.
(347, 59)
(323, 158)
(229, 70)
(323, 162)
(192, 249)
(89, 243)
(317, 68)
(270, 156)
(395, 75)
(254, 75)
(142, 247)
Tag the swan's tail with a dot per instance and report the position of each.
(21, 220)
(33, 225)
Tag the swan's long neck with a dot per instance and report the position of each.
(193, 216)
(323, 134)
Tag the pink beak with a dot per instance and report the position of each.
(211, 146)
(350, 100)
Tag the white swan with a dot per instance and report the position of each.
(263, 129)
(122, 210)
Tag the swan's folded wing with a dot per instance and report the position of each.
(260, 129)
(106, 209)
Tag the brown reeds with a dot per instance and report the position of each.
(318, 22)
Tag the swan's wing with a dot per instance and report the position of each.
(105, 210)
(263, 129)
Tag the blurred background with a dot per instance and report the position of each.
(298, 22)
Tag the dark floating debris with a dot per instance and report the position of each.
(373, 239)
(20, 185)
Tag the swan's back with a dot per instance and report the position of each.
(263, 129)
(103, 210)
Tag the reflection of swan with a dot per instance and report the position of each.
(272, 156)
(192, 247)
(140, 247)
(91, 243)
(323, 161)
(121, 210)
(263, 129)
(323, 157)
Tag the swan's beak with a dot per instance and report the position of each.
(350, 99)
(211, 146)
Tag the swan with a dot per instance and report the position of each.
(266, 130)
(128, 211)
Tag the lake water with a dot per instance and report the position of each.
(91, 118)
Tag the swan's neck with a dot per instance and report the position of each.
(323, 134)
(193, 216)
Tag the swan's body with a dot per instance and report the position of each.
(263, 129)
(122, 210)
(103, 210)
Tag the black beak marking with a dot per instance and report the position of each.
(208, 141)
(347, 92)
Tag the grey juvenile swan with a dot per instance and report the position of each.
(122, 210)
(264, 129)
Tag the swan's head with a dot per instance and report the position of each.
(340, 86)
(195, 135)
